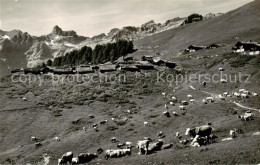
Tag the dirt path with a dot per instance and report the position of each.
(242, 106)
(237, 104)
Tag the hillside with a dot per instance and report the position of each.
(240, 24)
(60, 107)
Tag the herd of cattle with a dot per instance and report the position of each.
(197, 136)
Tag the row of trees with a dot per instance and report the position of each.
(193, 18)
(100, 54)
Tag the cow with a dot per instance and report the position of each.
(244, 95)
(143, 146)
(146, 123)
(165, 106)
(255, 94)
(103, 122)
(221, 97)
(100, 150)
(167, 146)
(247, 116)
(117, 153)
(184, 103)
(236, 94)
(232, 133)
(91, 116)
(221, 69)
(66, 158)
(86, 157)
(192, 100)
(120, 145)
(171, 103)
(190, 96)
(182, 107)
(155, 146)
(128, 144)
(210, 99)
(164, 95)
(33, 138)
(202, 131)
(174, 99)
(225, 94)
(175, 113)
(185, 141)
(166, 113)
(113, 139)
(56, 138)
(204, 101)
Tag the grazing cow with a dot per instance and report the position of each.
(232, 133)
(182, 107)
(57, 138)
(100, 150)
(247, 92)
(190, 96)
(166, 113)
(113, 119)
(164, 95)
(204, 84)
(120, 145)
(236, 94)
(225, 94)
(117, 153)
(167, 146)
(113, 139)
(221, 69)
(174, 99)
(146, 123)
(160, 133)
(147, 138)
(185, 141)
(184, 103)
(128, 144)
(255, 94)
(37, 144)
(33, 138)
(66, 158)
(202, 131)
(247, 116)
(24, 99)
(171, 103)
(143, 146)
(192, 100)
(241, 90)
(175, 113)
(103, 122)
(165, 106)
(91, 116)
(210, 99)
(94, 125)
(204, 101)
(128, 111)
(221, 97)
(86, 157)
(155, 146)
(223, 81)
(244, 95)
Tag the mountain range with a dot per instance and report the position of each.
(20, 49)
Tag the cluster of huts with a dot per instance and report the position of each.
(193, 48)
(247, 48)
(127, 64)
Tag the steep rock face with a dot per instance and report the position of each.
(58, 31)
(5, 47)
(37, 53)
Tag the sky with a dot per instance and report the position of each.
(92, 17)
